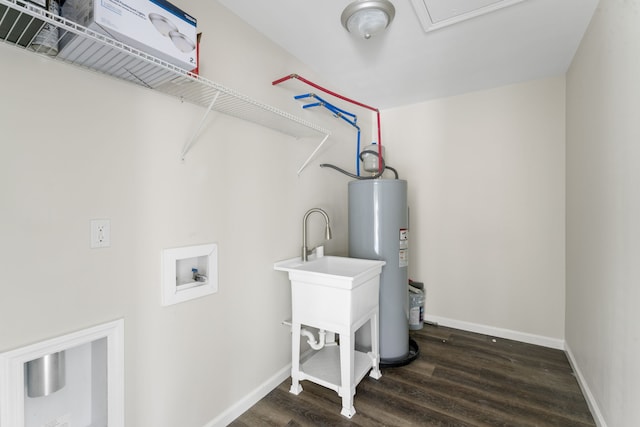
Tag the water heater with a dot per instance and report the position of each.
(378, 229)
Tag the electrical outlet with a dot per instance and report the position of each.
(100, 233)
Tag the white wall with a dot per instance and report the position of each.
(78, 146)
(603, 208)
(486, 192)
(486, 175)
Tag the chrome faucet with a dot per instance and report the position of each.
(327, 230)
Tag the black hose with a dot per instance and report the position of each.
(395, 172)
(354, 176)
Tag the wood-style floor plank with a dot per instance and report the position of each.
(459, 379)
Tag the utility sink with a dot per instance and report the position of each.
(331, 271)
(336, 294)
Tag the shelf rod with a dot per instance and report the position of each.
(195, 135)
(304, 165)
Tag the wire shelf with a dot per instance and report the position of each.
(22, 21)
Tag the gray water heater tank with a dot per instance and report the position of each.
(378, 229)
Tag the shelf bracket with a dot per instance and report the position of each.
(304, 165)
(195, 134)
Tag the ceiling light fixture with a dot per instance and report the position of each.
(367, 17)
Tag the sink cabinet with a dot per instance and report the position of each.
(338, 295)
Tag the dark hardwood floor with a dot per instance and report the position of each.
(459, 379)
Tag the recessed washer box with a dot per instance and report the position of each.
(156, 27)
(189, 272)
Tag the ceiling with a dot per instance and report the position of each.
(527, 39)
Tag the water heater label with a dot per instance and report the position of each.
(404, 234)
(403, 258)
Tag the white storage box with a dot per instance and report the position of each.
(153, 26)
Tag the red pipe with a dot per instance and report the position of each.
(344, 98)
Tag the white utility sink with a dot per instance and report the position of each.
(336, 294)
(332, 271)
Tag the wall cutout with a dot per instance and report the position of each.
(87, 368)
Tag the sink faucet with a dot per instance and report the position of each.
(327, 230)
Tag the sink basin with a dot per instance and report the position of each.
(331, 271)
(332, 292)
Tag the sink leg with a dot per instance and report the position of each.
(296, 388)
(347, 362)
(375, 347)
(348, 412)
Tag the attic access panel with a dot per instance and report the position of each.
(436, 14)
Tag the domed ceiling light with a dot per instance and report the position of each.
(367, 17)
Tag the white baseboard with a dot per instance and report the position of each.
(251, 399)
(499, 332)
(586, 391)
